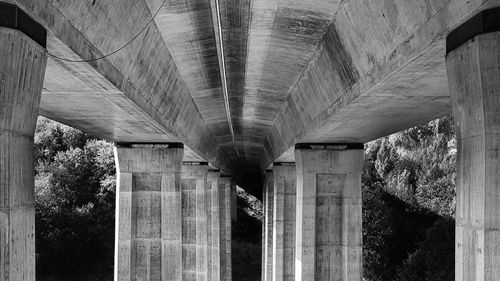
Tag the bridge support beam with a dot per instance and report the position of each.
(22, 69)
(267, 228)
(226, 220)
(474, 77)
(329, 232)
(148, 217)
(284, 221)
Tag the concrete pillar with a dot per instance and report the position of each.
(194, 222)
(22, 68)
(267, 241)
(148, 216)
(226, 217)
(473, 68)
(215, 226)
(328, 230)
(284, 222)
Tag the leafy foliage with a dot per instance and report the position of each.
(75, 191)
(409, 204)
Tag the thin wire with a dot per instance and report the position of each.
(119, 49)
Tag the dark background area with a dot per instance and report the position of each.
(408, 207)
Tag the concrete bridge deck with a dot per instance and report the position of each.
(243, 84)
(293, 71)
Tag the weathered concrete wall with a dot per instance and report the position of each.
(149, 228)
(329, 232)
(22, 69)
(474, 75)
(267, 241)
(284, 222)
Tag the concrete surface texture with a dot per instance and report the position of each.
(240, 82)
(225, 188)
(284, 221)
(169, 217)
(474, 74)
(328, 215)
(22, 69)
(267, 228)
(149, 227)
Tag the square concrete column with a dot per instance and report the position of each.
(226, 219)
(267, 241)
(148, 216)
(215, 214)
(473, 68)
(194, 222)
(22, 68)
(328, 230)
(284, 221)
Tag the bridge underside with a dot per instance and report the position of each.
(241, 85)
(240, 82)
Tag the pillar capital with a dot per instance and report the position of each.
(13, 17)
(486, 21)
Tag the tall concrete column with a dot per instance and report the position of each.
(328, 231)
(23, 60)
(194, 222)
(148, 216)
(267, 241)
(226, 217)
(473, 66)
(284, 222)
(215, 226)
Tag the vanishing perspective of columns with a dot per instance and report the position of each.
(284, 221)
(22, 69)
(267, 228)
(328, 217)
(148, 217)
(473, 67)
(226, 220)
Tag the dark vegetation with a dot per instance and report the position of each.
(408, 207)
(75, 204)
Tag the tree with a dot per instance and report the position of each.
(75, 191)
(409, 204)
